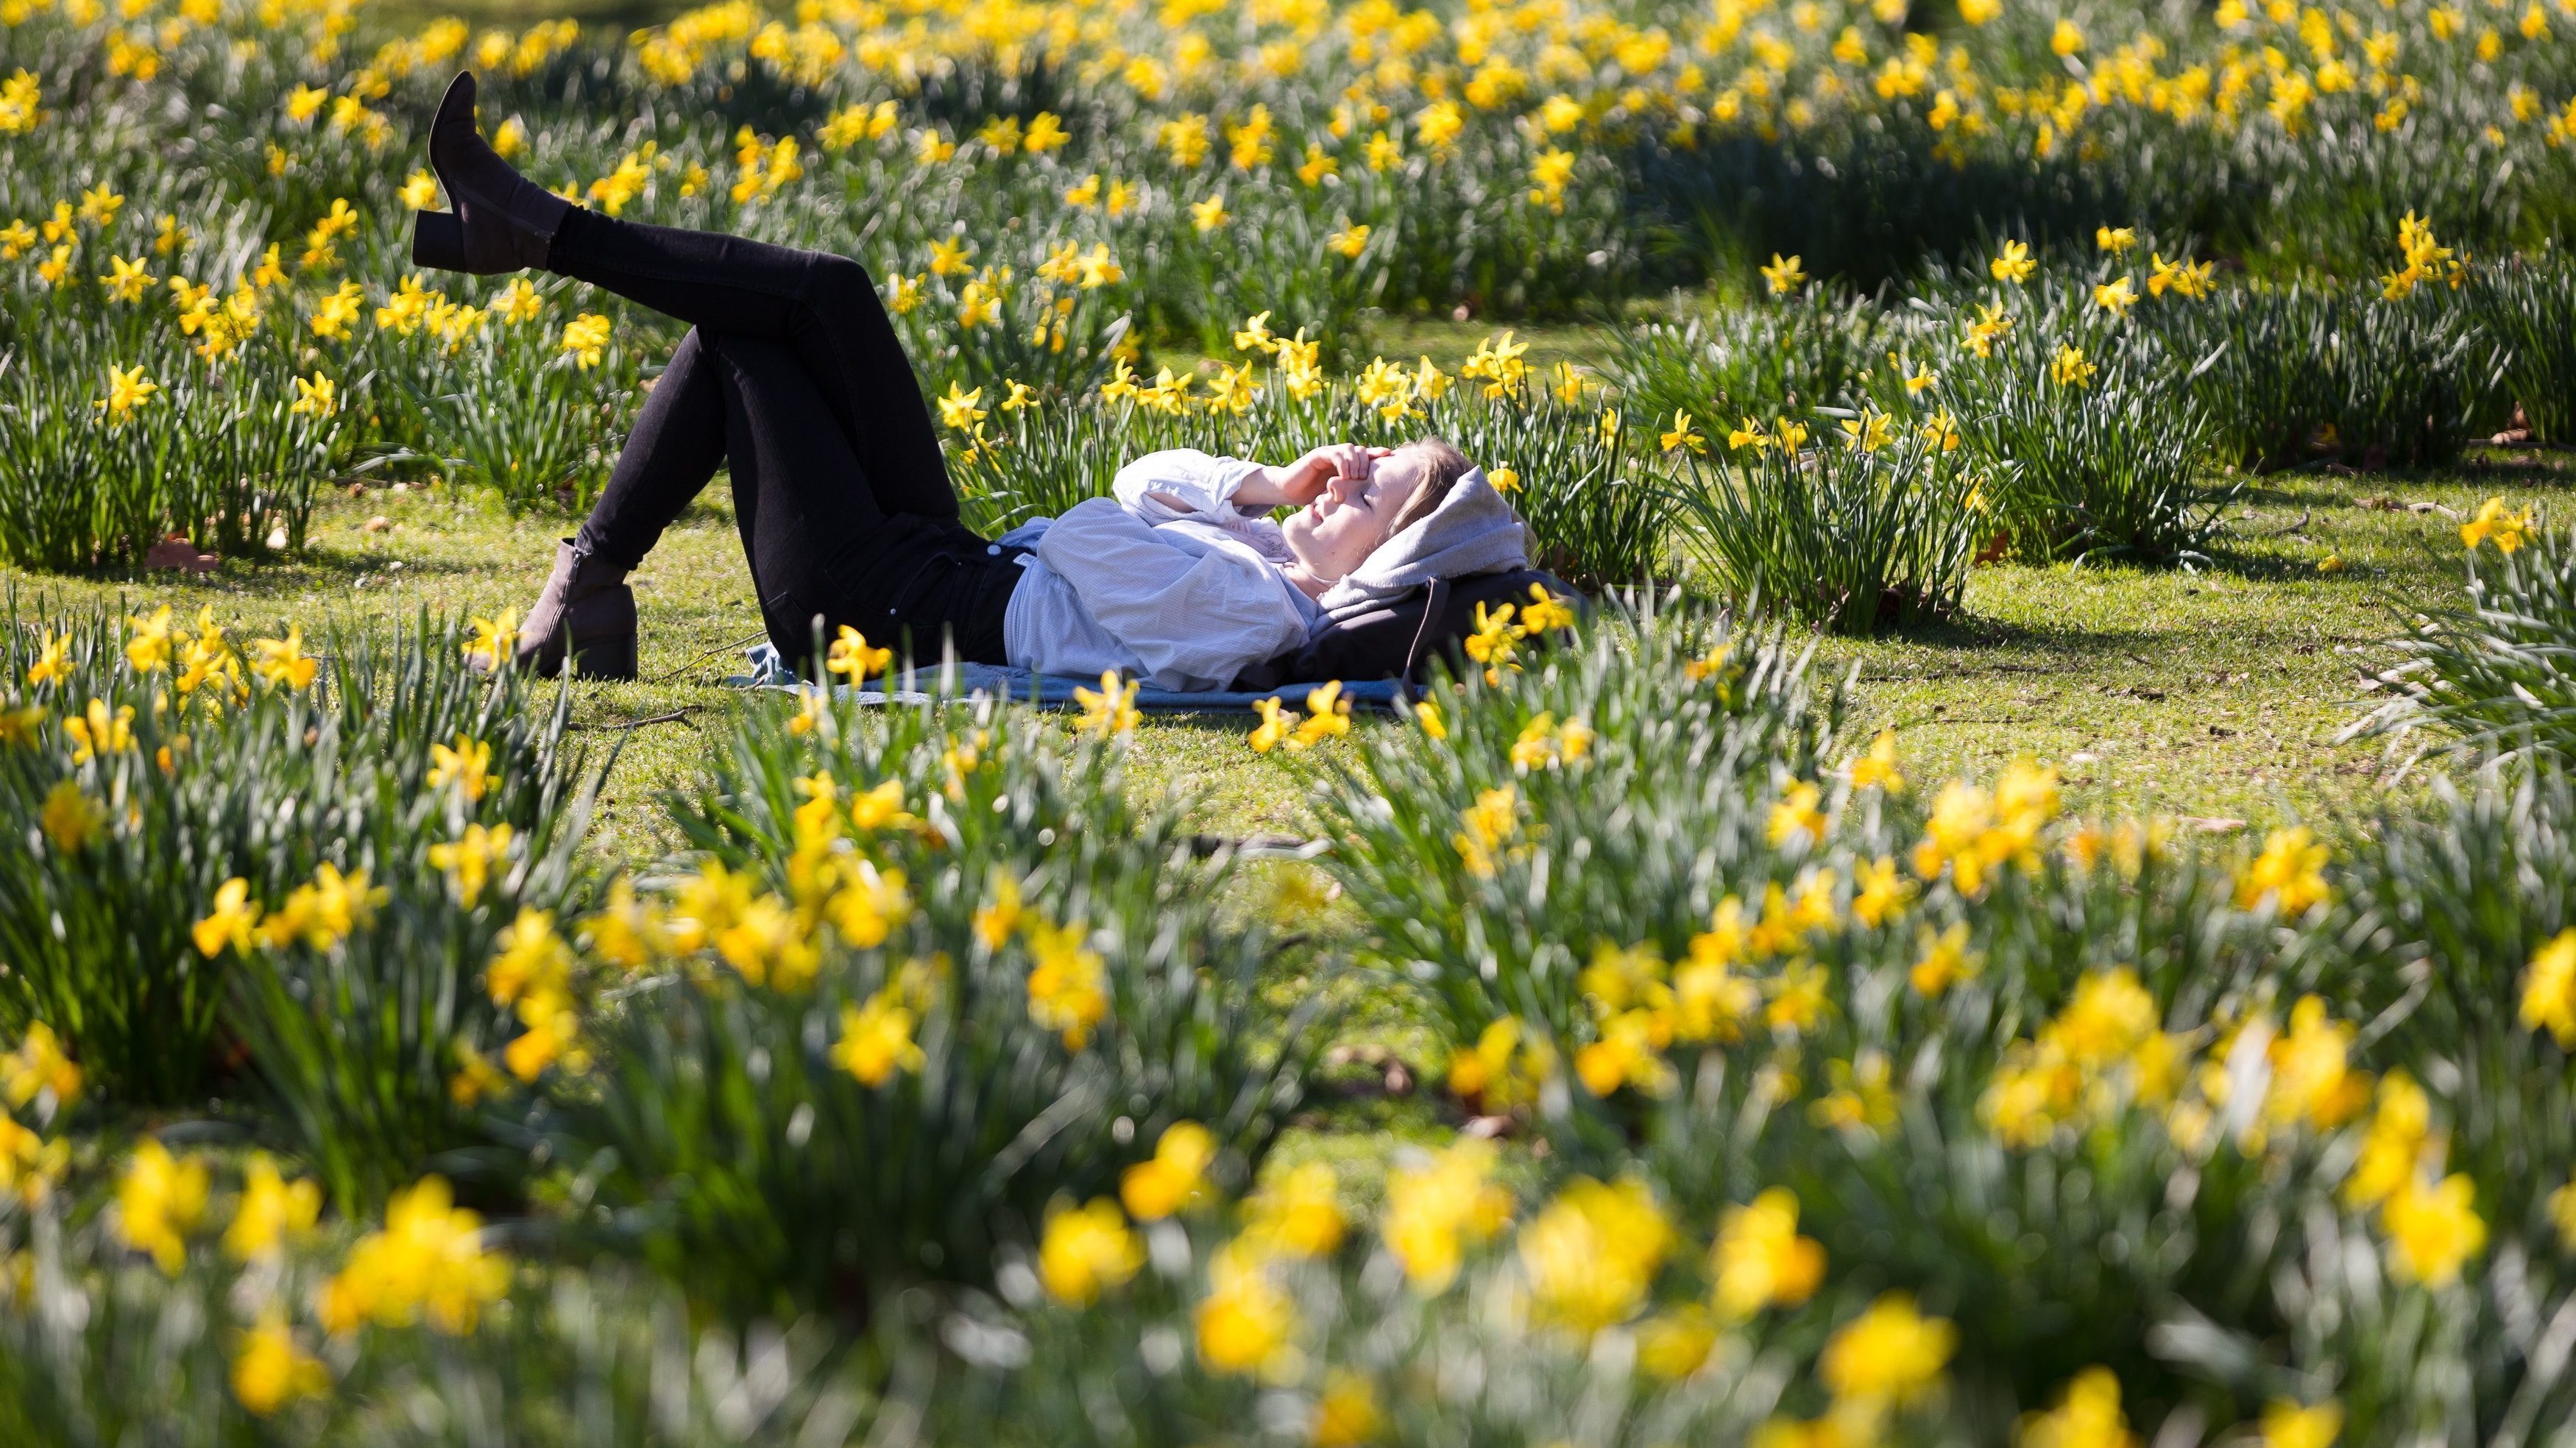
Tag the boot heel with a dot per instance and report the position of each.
(603, 634)
(611, 658)
(438, 240)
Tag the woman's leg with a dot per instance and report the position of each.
(819, 543)
(673, 452)
(823, 309)
(586, 612)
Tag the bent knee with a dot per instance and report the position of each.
(832, 282)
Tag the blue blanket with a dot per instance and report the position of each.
(769, 671)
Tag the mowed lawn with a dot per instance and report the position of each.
(2214, 694)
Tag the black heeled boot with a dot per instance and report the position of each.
(503, 222)
(586, 614)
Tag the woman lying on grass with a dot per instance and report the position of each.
(794, 377)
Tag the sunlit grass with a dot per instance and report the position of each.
(2214, 695)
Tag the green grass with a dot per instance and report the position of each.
(2214, 695)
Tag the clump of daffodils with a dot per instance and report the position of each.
(318, 915)
(836, 892)
(1893, 1356)
(1247, 1323)
(1111, 710)
(1068, 986)
(1974, 832)
(1328, 716)
(1085, 1251)
(427, 1263)
(1590, 1257)
(2430, 1221)
(2425, 258)
(1437, 1210)
(1497, 636)
(2106, 1047)
(2493, 524)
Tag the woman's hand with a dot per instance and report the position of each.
(1304, 480)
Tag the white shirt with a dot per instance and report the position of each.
(1169, 580)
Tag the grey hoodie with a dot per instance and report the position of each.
(1472, 531)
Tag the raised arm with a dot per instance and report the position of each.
(1302, 481)
(1182, 481)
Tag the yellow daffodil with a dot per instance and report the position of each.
(853, 659)
(2433, 1229)
(1437, 1210)
(470, 859)
(1086, 1250)
(97, 731)
(233, 921)
(1156, 1188)
(70, 819)
(1111, 710)
(126, 281)
(158, 1201)
(127, 390)
(877, 1039)
(272, 1211)
(2492, 524)
(495, 641)
(39, 1069)
(2289, 873)
(1891, 1353)
(585, 340)
(282, 663)
(1760, 1261)
(1591, 1255)
(270, 1371)
(2549, 989)
(428, 1262)
(315, 396)
(1784, 275)
(2289, 1424)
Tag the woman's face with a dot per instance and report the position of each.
(1335, 533)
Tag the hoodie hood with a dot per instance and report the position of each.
(1472, 531)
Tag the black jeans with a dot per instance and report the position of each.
(792, 376)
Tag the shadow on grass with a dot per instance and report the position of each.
(1981, 634)
(2525, 468)
(2311, 485)
(323, 565)
(2287, 490)
(2259, 563)
(1230, 723)
(317, 567)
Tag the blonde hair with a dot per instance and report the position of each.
(1442, 466)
